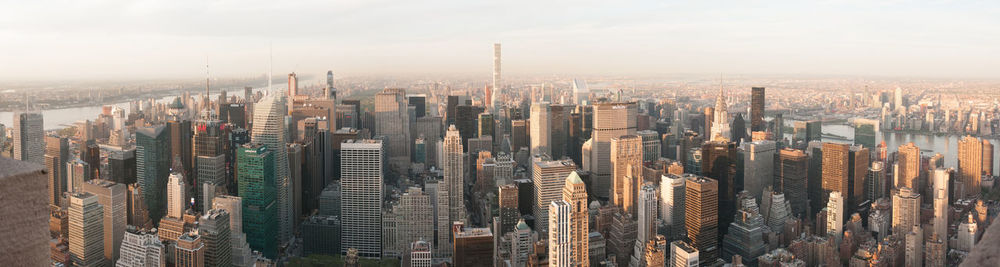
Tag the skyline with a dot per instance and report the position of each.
(171, 40)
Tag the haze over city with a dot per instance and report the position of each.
(508, 134)
(140, 40)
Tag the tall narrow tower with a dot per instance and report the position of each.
(575, 193)
(269, 129)
(497, 91)
(454, 174)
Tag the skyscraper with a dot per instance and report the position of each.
(111, 196)
(497, 87)
(140, 249)
(180, 136)
(189, 251)
(905, 209)
(647, 212)
(701, 217)
(909, 165)
(746, 234)
(813, 131)
(56, 155)
(215, 234)
(875, 184)
(857, 171)
(672, 195)
(970, 165)
(454, 174)
(293, 85)
(790, 178)
(473, 246)
(720, 119)
(152, 154)
(29, 137)
(86, 232)
(575, 193)
(611, 120)
(758, 165)
(719, 163)
(176, 195)
(210, 143)
(416, 216)
(548, 180)
(330, 91)
(651, 145)
(392, 121)
(757, 109)
(560, 234)
(420, 254)
(682, 255)
(626, 159)
(541, 129)
(987, 157)
(258, 190)
(835, 215)
(269, 130)
(233, 205)
(835, 170)
(865, 132)
(361, 163)
(940, 178)
(508, 203)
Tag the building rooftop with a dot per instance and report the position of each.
(474, 232)
(685, 246)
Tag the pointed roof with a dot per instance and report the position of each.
(574, 178)
(177, 104)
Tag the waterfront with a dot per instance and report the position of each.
(929, 144)
(55, 119)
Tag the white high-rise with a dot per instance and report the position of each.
(548, 178)
(141, 249)
(497, 86)
(541, 129)
(29, 137)
(672, 196)
(682, 254)
(86, 231)
(940, 185)
(361, 208)
(905, 209)
(175, 195)
(269, 129)
(454, 175)
(647, 213)
(560, 237)
(834, 215)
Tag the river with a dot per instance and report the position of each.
(929, 144)
(54, 119)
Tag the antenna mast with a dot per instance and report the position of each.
(270, 66)
(207, 85)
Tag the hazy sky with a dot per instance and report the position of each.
(110, 39)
